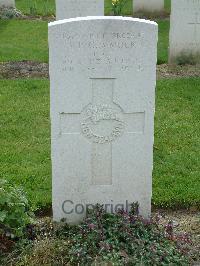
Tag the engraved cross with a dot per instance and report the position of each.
(102, 122)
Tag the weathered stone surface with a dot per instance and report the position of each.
(7, 3)
(148, 5)
(185, 31)
(102, 75)
(78, 8)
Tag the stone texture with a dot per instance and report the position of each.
(7, 3)
(102, 76)
(148, 5)
(185, 31)
(78, 8)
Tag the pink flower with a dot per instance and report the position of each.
(91, 226)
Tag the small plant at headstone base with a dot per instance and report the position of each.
(32, 7)
(190, 59)
(15, 215)
(46, 9)
(122, 239)
(9, 13)
(117, 6)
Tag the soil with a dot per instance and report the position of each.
(37, 17)
(152, 16)
(32, 69)
(23, 69)
(184, 222)
(177, 71)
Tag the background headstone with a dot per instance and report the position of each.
(184, 31)
(78, 8)
(148, 5)
(102, 75)
(7, 3)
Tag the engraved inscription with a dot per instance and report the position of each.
(103, 51)
(102, 123)
(101, 59)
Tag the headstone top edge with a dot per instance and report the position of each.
(90, 18)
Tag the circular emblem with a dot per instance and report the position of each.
(102, 123)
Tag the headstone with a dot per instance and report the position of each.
(102, 75)
(7, 3)
(184, 31)
(148, 5)
(78, 8)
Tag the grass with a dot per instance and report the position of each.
(36, 7)
(23, 40)
(177, 143)
(168, 5)
(25, 137)
(30, 42)
(25, 140)
(163, 41)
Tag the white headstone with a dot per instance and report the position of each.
(78, 8)
(102, 75)
(184, 30)
(7, 3)
(148, 5)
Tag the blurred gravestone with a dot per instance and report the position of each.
(185, 31)
(7, 3)
(148, 5)
(78, 8)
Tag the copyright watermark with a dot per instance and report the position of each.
(69, 207)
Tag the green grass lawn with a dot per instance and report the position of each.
(23, 40)
(47, 7)
(25, 137)
(177, 143)
(163, 41)
(25, 140)
(27, 40)
(168, 5)
(36, 7)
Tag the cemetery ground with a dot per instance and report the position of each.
(25, 159)
(47, 7)
(25, 137)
